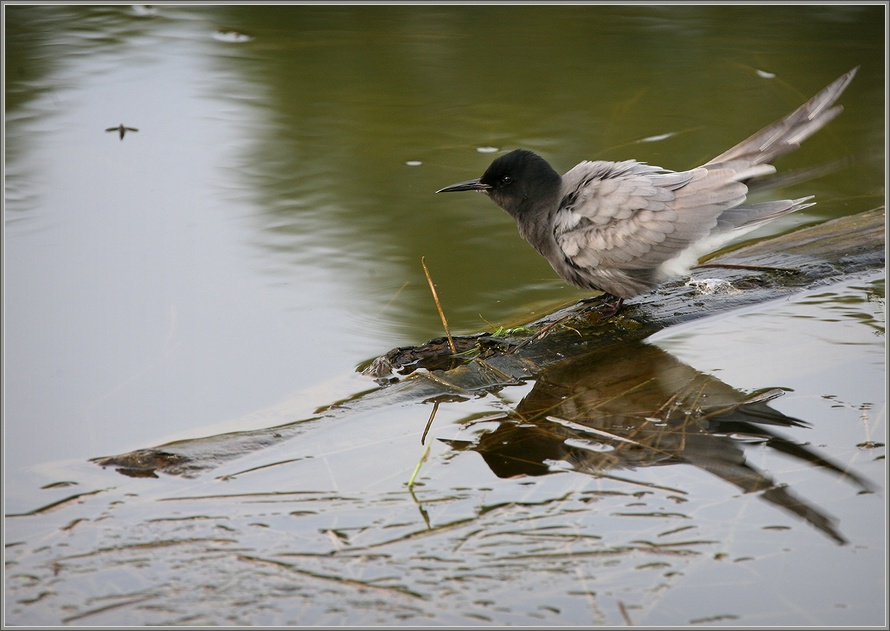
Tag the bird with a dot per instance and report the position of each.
(122, 129)
(623, 228)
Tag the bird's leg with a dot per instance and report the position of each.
(611, 307)
(610, 304)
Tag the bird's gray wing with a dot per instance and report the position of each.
(632, 215)
(621, 226)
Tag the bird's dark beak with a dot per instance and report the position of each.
(469, 185)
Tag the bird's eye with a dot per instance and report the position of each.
(506, 180)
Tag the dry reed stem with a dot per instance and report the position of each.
(429, 422)
(438, 306)
(423, 458)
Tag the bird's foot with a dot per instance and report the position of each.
(608, 305)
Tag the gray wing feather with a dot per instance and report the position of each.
(637, 216)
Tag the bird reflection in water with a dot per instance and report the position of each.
(603, 413)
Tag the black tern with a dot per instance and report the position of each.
(121, 130)
(625, 227)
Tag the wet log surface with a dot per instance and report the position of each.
(558, 351)
(758, 273)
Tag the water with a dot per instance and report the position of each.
(227, 266)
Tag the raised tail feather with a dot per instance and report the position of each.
(786, 134)
(752, 158)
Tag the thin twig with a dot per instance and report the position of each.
(426, 453)
(624, 614)
(429, 421)
(438, 306)
(542, 333)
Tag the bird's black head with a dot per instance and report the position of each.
(517, 182)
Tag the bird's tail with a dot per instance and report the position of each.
(786, 134)
(742, 219)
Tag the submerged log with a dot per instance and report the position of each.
(554, 346)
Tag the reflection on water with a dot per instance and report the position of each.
(318, 511)
(604, 414)
(619, 409)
